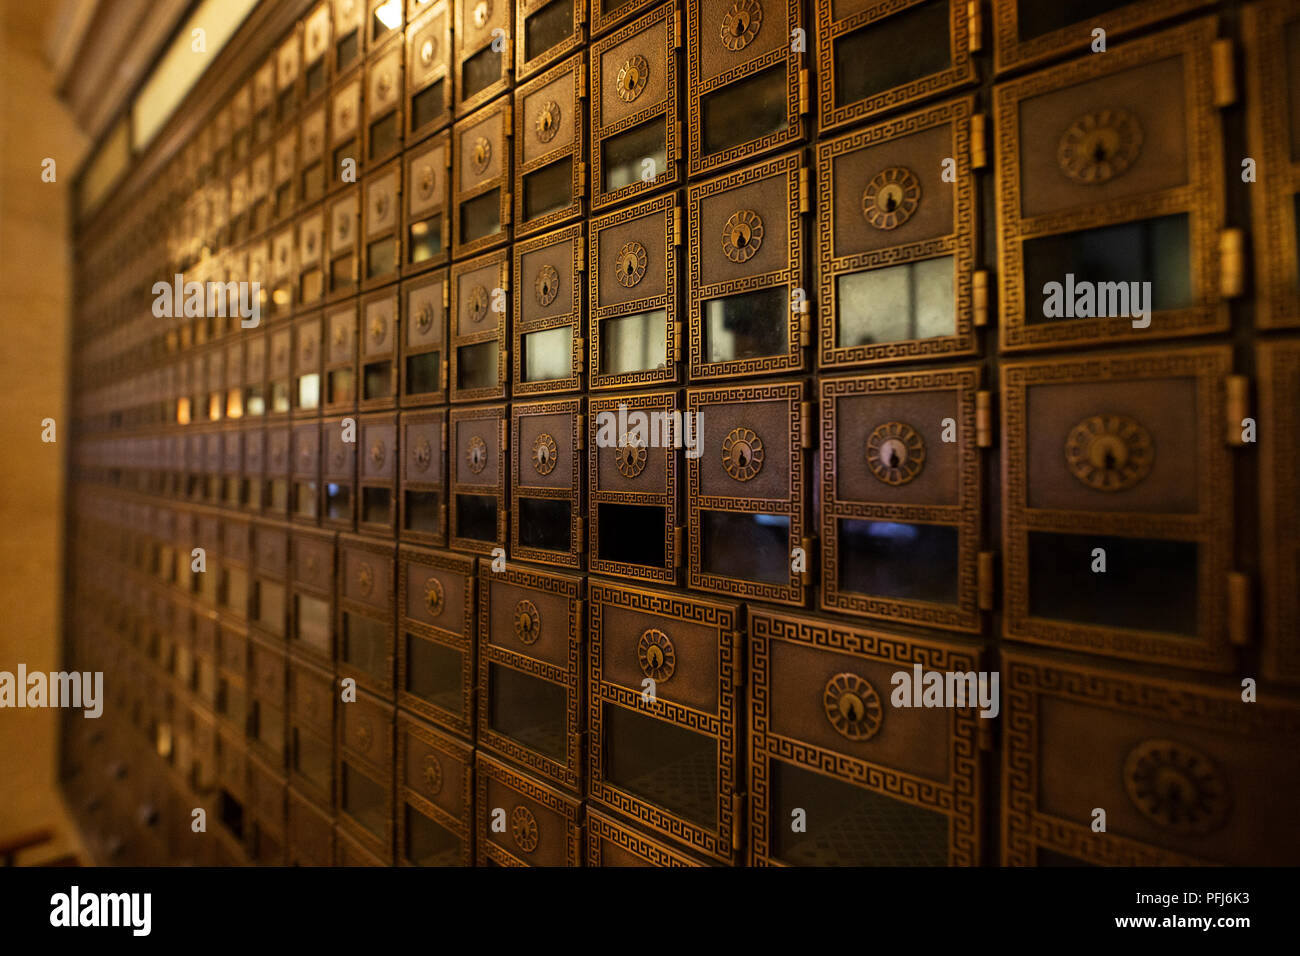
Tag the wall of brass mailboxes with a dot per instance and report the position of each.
(821, 227)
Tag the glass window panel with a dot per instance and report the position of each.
(548, 354)
(476, 365)
(528, 710)
(752, 325)
(892, 52)
(913, 300)
(623, 155)
(751, 547)
(744, 110)
(634, 343)
(663, 764)
(910, 562)
(433, 673)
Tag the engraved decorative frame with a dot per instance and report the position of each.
(418, 80)
(431, 291)
(464, 827)
(524, 9)
(486, 414)
(1209, 527)
(422, 164)
(495, 325)
(486, 850)
(603, 830)
(380, 609)
(472, 39)
(462, 192)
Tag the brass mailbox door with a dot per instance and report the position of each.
(745, 491)
(543, 824)
(422, 442)
(636, 135)
(427, 235)
(313, 163)
(305, 497)
(896, 239)
(311, 831)
(423, 367)
(429, 78)
(310, 279)
(435, 815)
(1080, 737)
(1279, 521)
(611, 843)
(315, 54)
(632, 288)
(484, 51)
(479, 320)
(878, 55)
(343, 270)
(900, 497)
(340, 368)
(309, 351)
(477, 464)
(747, 86)
(311, 630)
(550, 146)
(530, 670)
(547, 30)
(663, 704)
(546, 520)
(1274, 128)
(365, 614)
(632, 467)
(435, 660)
(365, 774)
(311, 731)
(384, 100)
(339, 473)
(377, 474)
(1104, 200)
(748, 292)
(549, 348)
(1026, 32)
(879, 785)
(480, 186)
(381, 253)
(349, 34)
(379, 340)
(345, 135)
(1117, 496)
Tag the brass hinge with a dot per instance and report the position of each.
(580, 345)
(986, 576)
(805, 425)
(505, 430)
(979, 156)
(1225, 78)
(444, 385)
(984, 732)
(1239, 608)
(984, 419)
(444, 424)
(1232, 263)
(582, 73)
(582, 535)
(677, 140)
(804, 91)
(582, 179)
(582, 431)
(677, 30)
(1237, 407)
(580, 13)
(677, 226)
(508, 201)
(582, 253)
(579, 610)
(446, 293)
(805, 191)
(679, 545)
(980, 297)
(805, 322)
(678, 355)
(975, 26)
(508, 117)
(808, 545)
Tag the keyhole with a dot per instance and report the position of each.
(546, 288)
(740, 24)
(743, 457)
(894, 460)
(852, 707)
(628, 266)
(1099, 153)
(656, 657)
(1108, 460)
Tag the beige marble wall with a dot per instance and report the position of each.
(35, 298)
